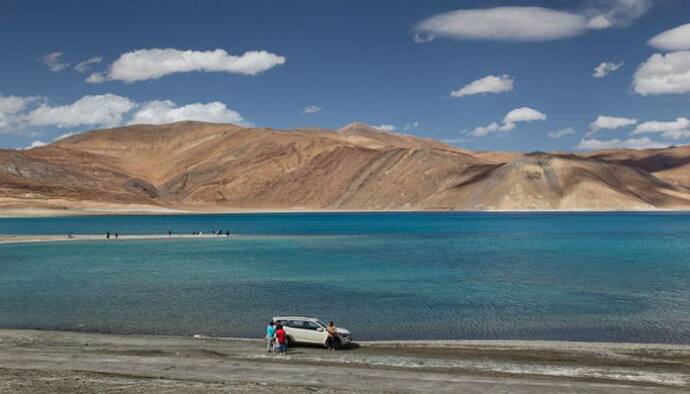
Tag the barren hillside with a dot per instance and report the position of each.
(203, 166)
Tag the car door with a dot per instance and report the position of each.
(295, 329)
(314, 332)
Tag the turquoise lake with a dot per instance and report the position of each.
(566, 276)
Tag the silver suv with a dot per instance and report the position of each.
(300, 329)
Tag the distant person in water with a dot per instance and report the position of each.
(227, 233)
(270, 337)
(332, 339)
(169, 233)
(107, 235)
(117, 235)
(281, 338)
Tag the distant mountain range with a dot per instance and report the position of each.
(215, 167)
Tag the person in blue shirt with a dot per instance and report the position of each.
(270, 336)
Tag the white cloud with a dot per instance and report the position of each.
(84, 66)
(52, 60)
(11, 118)
(96, 78)
(664, 74)
(488, 84)
(674, 130)
(100, 110)
(490, 128)
(605, 68)
(503, 23)
(385, 127)
(311, 109)
(455, 140)
(420, 38)
(166, 111)
(522, 114)
(19, 114)
(35, 144)
(616, 13)
(15, 104)
(65, 135)
(528, 23)
(676, 39)
(556, 134)
(610, 123)
(411, 126)
(144, 64)
(633, 143)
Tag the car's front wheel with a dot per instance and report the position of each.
(336, 343)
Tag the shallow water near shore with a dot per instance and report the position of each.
(621, 277)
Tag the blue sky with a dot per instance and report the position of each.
(390, 63)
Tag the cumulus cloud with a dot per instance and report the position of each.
(35, 144)
(86, 65)
(52, 61)
(18, 115)
(616, 13)
(11, 119)
(311, 109)
(166, 111)
(664, 74)
(605, 68)
(556, 134)
(490, 128)
(673, 130)
(676, 39)
(99, 110)
(488, 84)
(610, 123)
(522, 114)
(411, 126)
(385, 127)
(528, 23)
(632, 143)
(144, 64)
(15, 104)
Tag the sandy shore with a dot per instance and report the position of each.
(14, 239)
(64, 362)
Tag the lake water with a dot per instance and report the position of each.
(568, 276)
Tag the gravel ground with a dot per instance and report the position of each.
(65, 362)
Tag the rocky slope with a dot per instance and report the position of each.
(203, 166)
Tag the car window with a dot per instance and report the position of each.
(310, 325)
(295, 323)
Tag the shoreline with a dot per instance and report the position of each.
(40, 213)
(40, 238)
(104, 362)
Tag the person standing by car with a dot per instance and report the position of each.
(270, 336)
(332, 339)
(281, 338)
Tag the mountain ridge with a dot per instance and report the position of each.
(200, 166)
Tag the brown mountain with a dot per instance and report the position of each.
(203, 166)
